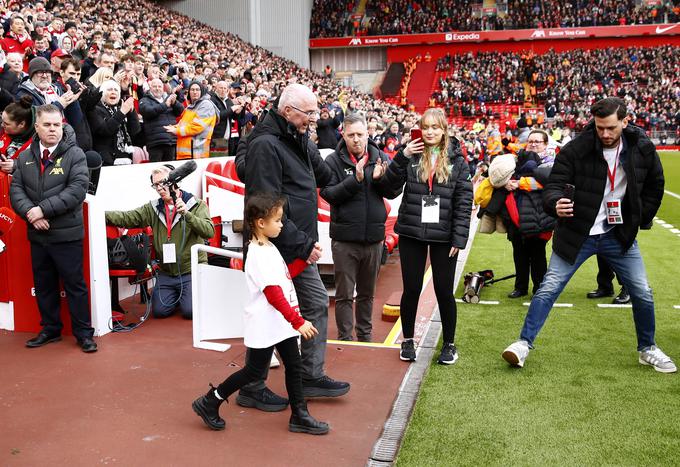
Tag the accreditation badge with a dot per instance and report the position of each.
(430, 211)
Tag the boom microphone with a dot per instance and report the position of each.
(180, 173)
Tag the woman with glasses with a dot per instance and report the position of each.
(434, 215)
(530, 231)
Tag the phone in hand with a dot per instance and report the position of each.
(416, 133)
(569, 191)
(74, 85)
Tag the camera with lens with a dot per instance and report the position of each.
(474, 282)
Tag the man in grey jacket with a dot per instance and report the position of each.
(48, 189)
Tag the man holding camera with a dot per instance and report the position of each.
(179, 220)
(48, 189)
(616, 179)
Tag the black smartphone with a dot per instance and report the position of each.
(75, 85)
(569, 191)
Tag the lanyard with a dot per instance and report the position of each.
(431, 179)
(612, 173)
(169, 219)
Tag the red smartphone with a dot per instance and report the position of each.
(416, 133)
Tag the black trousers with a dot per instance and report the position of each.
(605, 275)
(528, 254)
(413, 255)
(162, 153)
(61, 261)
(257, 362)
(233, 145)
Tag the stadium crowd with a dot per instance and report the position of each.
(334, 19)
(124, 46)
(566, 83)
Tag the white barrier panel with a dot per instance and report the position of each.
(218, 300)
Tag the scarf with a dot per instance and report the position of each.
(123, 141)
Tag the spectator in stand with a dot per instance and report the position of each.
(39, 86)
(17, 132)
(437, 194)
(196, 125)
(357, 227)
(11, 74)
(231, 115)
(18, 39)
(160, 109)
(327, 128)
(114, 124)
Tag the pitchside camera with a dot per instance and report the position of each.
(474, 282)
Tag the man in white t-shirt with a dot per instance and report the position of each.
(605, 185)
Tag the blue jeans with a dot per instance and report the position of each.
(629, 268)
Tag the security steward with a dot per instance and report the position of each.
(48, 189)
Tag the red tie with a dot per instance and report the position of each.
(45, 157)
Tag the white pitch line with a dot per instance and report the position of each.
(659, 221)
(667, 226)
(675, 231)
(481, 302)
(677, 307)
(556, 305)
(614, 305)
(670, 193)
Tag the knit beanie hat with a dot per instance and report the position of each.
(501, 169)
(38, 64)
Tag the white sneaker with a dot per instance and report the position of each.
(654, 356)
(516, 353)
(274, 362)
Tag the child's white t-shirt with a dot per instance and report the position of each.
(264, 324)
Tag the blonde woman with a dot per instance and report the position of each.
(434, 215)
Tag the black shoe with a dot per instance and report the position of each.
(324, 387)
(87, 344)
(622, 298)
(41, 339)
(302, 422)
(208, 408)
(408, 351)
(448, 355)
(600, 293)
(516, 294)
(262, 399)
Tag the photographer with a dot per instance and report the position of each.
(177, 225)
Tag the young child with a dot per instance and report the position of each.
(272, 319)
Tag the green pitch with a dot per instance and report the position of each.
(582, 397)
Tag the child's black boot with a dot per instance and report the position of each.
(302, 422)
(208, 408)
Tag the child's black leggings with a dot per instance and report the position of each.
(413, 255)
(259, 361)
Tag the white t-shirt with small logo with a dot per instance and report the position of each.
(264, 324)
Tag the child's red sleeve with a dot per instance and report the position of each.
(275, 297)
(296, 267)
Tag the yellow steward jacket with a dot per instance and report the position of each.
(195, 129)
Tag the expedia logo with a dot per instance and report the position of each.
(355, 41)
(538, 33)
(453, 36)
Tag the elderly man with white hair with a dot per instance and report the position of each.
(158, 110)
(281, 159)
